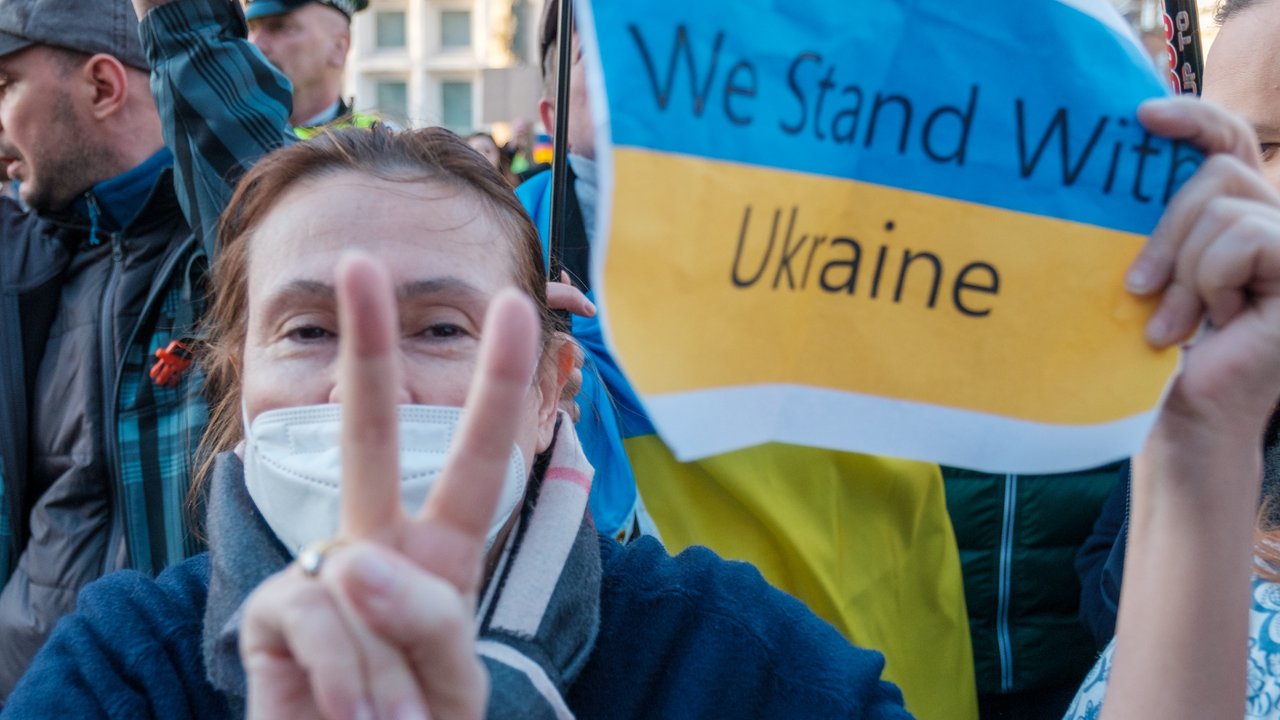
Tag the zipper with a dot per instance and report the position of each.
(1003, 640)
(110, 370)
(1128, 501)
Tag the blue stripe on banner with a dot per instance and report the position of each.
(1025, 106)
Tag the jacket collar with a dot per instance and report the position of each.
(117, 203)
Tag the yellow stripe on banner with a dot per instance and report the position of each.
(722, 275)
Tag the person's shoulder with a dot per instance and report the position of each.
(533, 191)
(132, 648)
(31, 252)
(700, 581)
(712, 637)
(128, 599)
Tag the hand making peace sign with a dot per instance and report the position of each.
(386, 629)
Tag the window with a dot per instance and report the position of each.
(455, 106)
(455, 29)
(389, 29)
(393, 101)
(520, 38)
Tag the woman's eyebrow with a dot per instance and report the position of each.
(1266, 129)
(299, 292)
(438, 286)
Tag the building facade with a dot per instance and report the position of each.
(464, 64)
(473, 65)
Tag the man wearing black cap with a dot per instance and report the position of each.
(307, 40)
(97, 274)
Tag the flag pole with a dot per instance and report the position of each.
(1182, 41)
(560, 147)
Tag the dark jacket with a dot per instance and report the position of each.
(1100, 562)
(94, 456)
(1018, 536)
(684, 637)
(1100, 565)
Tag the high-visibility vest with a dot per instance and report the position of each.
(353, 119)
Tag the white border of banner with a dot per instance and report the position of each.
(727, 419)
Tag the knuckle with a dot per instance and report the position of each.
(306, 610)
(454, 622)
(1222, 165)
(1220, 211)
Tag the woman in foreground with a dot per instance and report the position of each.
(497, 596)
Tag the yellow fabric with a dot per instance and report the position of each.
(359, 120)
(865, 541)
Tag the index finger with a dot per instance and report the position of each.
(468, 488)
(1231, 168)
(368, 377)
(1211, 129)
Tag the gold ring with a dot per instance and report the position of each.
(311, 559)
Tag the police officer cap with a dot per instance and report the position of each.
(254, 9)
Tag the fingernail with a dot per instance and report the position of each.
(1141, 276)
(410, 711)
(1158, 330)
(591, 309)
(375, 574)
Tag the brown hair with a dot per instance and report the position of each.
(1266, 553)
(428, 155)
(1228, 8)
(549, 46)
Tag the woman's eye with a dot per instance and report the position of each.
(309, 333)
(443, 331)
(1268, 151)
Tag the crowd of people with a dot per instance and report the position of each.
(289, 428)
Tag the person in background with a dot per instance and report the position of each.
(520, 148)
(308, 41)
(1241, 72)
(1018, 537)
(484, 144)
(864, 541)
(101, 283)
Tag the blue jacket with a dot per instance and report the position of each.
(690, 636)
(610, 409)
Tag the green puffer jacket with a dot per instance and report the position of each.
(1018, 536)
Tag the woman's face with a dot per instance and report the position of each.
(1242, 74)
(446, 258)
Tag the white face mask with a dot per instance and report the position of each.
(293, 468)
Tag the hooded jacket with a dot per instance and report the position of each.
(94, 456)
